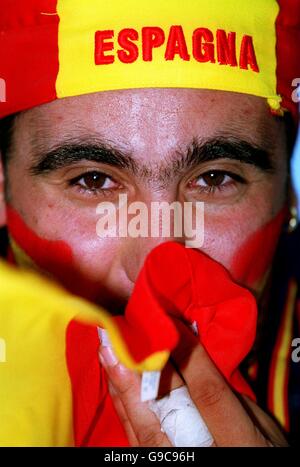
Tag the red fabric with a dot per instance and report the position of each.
(94, 417)
(174, 280)
(287, 49)
(184, 283)
(29, 53)
(188, 284)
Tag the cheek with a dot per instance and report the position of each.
(74, 260)
(253, 258)
(246, 250)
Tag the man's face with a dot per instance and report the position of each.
(168, 145)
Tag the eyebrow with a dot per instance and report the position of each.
(197, 153)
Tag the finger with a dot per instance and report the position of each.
(266, 424)
(133, 441)
(170, 380)
(127, 385)
(224, 415)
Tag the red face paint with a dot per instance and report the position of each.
(56, 257)
(200, 291)
(254, 257)
(53, 257)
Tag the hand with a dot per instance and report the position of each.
(232, 420)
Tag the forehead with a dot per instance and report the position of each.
(151, 119)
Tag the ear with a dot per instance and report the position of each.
(2, 196)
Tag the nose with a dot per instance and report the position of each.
(135, 253)
(161, 225)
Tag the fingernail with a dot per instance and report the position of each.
(107, 357)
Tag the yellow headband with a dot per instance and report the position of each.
(58, 48)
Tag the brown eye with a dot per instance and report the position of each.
(94, 181)
(213, 178)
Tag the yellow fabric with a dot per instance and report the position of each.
(282, 357)
(79, 21)
(35, 389)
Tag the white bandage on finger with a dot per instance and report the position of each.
(181, 420)
(178, 415)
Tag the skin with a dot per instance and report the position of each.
(233, 421)
(152, 126)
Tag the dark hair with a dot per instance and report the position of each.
(6, 133)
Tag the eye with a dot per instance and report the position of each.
(212, 179)
(94, 181)
(215, 179)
